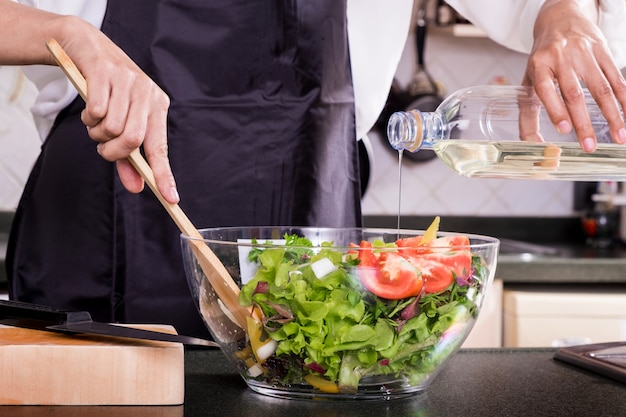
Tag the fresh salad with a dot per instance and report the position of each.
(332, 319)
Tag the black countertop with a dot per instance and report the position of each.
(481, 383)
(493, 382)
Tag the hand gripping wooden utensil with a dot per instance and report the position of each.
(221, 281)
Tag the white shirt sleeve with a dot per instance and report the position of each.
(613, 25)
(508, 22)
(515, 20)
(377, 33)
(55, 91)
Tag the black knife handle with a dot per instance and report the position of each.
(35, 312)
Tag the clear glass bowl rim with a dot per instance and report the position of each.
(477, 241)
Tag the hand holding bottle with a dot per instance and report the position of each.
(476, 131)
(570, 49)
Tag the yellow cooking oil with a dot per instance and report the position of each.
(532, 160)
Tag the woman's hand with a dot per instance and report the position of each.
(124, 110)
(569, 50)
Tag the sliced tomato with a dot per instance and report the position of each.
(417, 244)
(366, 254)
(421, 241)
(450, 243)
(409, 242)
(393, 277)
(441, 268)
(411, 246)
(420, 264)
(437, 277)
(352, 253)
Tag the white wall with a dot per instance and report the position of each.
(432, 188)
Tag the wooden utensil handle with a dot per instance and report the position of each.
(223, 284)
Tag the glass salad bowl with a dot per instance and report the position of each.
(341, 313)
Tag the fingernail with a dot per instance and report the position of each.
(589, 144)
(564, 127)
(99, 149)
(174, 194)
(621, 135)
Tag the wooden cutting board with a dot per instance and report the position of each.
(44, 368)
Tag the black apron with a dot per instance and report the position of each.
(261, 132)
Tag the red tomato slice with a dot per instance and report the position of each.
(394, 278)
(459, 262)
(440, 269)
(450, 243)
(366, 254)
(432, 265)
(411, 246)
(409, 242)
(437, 277)
(415, 246)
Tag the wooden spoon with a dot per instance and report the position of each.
(221, 281)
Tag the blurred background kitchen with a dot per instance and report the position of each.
(553, 287)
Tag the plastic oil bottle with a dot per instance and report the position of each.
(496, 131)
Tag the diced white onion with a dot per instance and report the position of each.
(323, 267)
(255, 370)
(266, 350)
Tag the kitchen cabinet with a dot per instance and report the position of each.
(563, 315)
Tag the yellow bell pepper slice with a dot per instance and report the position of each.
(431, 233)
(258, 341)
(322, 384)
